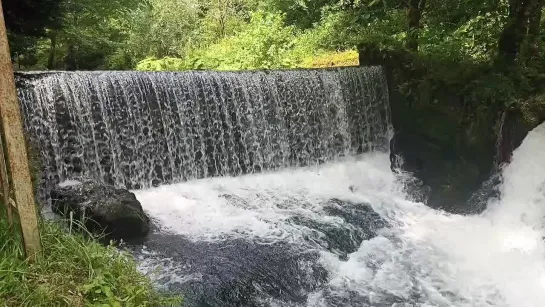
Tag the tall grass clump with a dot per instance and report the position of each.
(73, 270)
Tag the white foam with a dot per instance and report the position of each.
(259, 205)
(493, 259)
(523, 188)
(69, 183)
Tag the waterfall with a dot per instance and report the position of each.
(140, 129)
(321, 227)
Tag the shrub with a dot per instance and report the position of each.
(167, 63)
(333, 59)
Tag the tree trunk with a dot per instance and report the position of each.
(52, 51)
(414, 15)
(70, 60)
(534, 27)
(521, 13)
(223, 6)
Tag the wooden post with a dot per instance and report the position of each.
(16, 153)
(4, 183)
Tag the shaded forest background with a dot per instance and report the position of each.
(248, 34)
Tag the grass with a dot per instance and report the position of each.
(73, 270)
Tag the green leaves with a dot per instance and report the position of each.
(265, 42)
(102, 291)
(247, 34)
(167, 63)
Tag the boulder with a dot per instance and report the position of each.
(103, 208)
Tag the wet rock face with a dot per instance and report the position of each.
(457, 157)
(517, 122)
(440, 146)
(102, 208)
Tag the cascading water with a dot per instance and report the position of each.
(342, 233)
(135, 129)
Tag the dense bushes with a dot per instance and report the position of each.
(264, 43)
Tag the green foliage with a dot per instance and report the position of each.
(73, 271)
(91, 30)
(26, 21)
(167, 63)
(162, 28)
(264, 43)
(303, 14)
(223, 18)
(337, 59)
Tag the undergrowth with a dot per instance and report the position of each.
(73, 270)
(333, 59)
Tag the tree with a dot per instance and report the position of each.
(264, 43)
(30, 17)
(414, 15)
(225, 17)
(160, 28)
(26, 21)
(303, 14)
(523, 22)
(90, 31)
(534, 27)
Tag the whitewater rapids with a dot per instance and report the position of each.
(416, 256)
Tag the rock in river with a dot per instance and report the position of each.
(103, 208)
